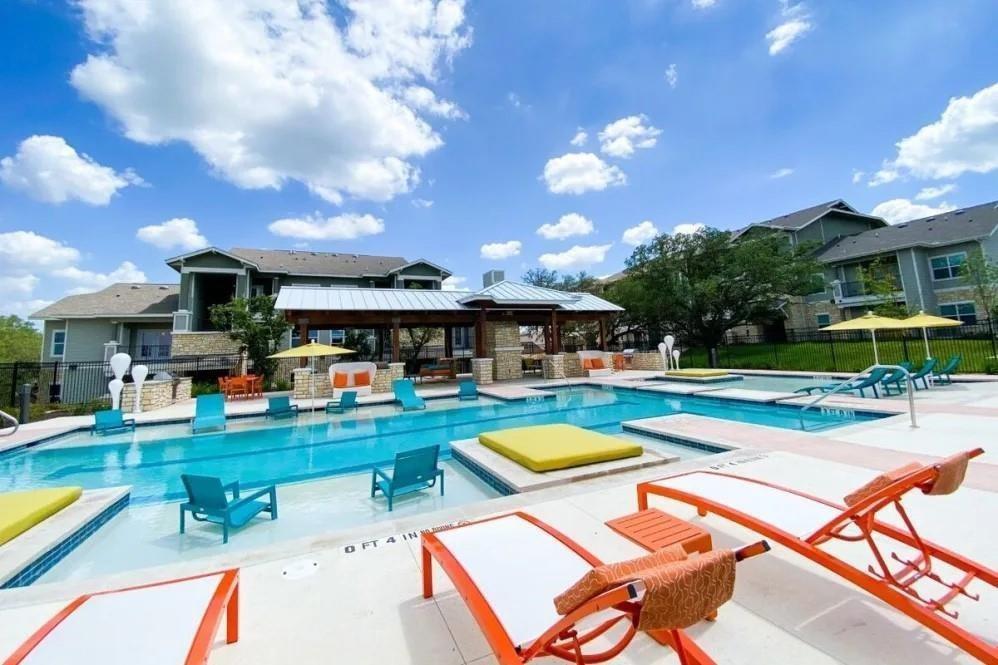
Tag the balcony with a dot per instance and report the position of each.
(150, 351)
(847, 294)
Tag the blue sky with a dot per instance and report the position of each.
(444, 129)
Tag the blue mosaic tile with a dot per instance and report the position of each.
(487, 477)
(46, 561)
(697, 445)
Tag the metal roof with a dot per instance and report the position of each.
(122, 299)
(949, 228)
(319, 298)
(516, 293)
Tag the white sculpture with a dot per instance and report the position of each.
(119, 365)
(664, 352)
(139, 374)
(675, 358)
(669, 343)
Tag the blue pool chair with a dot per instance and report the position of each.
(467, 389)
(209, 413)
(347, 400)
(405, 394)
(896, 380)
(111, 421)
(414, 470)
(870, 381)
(280, 407)
(943, 375)
(923, 373)
(207, 502)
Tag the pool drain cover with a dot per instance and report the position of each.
(300, 569)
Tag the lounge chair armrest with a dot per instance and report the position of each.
(294, 407)
(232, 487)
(378, 472)
(260, 492)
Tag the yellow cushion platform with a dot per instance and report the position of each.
(549, 447)
(19, 511)
(697, 373)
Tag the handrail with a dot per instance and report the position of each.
(908, 381)
(4, 416)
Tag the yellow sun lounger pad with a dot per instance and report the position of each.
(19, 511)
(697, 373)
(550, 447)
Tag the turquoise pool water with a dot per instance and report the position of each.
(317, 446)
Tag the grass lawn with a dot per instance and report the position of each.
(845, 356)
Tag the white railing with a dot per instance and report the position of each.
(910, 385)
(7, 420)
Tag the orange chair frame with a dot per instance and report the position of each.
(892, 587)
(561, 640)
(224, 600)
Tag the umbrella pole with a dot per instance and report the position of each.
(925, 336)
(876, 356)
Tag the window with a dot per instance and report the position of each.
(337, 336)
(58, 343)
(154, 344)
(824, 320)
(949, 266)
(961, 311)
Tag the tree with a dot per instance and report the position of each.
(584, 332)
(418, 338)
(256, 325)
(19, 340)
(982, 276)
(701, 285)
(359, 341)
(881, 282)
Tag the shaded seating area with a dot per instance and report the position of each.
(413, 471)
(861, 385)
(405, 395)
(280, 407)
(209, 413)
(111, 421)
(944, 375)
(594, 363)
(356, 377)
(208, 501)
(440, 368)
(246, 386)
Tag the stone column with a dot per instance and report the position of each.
(648, 360)
(553, 366)
(302, 383)
(573, 365)
(385, 375)
(481, 370)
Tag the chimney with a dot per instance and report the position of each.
(492, 277)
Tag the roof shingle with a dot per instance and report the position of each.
(121, 299)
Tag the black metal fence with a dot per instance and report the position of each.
(813, 350)
(69, 382)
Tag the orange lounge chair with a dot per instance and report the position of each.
(803, 523)
(509, 570)
(165, 623)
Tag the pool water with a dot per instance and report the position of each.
(317, 446)
(782, 384)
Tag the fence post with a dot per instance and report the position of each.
(831, 344)
(904, 344)
(13, 386)
(776, 355)
(991, 334)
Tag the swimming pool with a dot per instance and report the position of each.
(316, 446)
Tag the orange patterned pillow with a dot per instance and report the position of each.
(339, 380)
(879, 483)
(362, 379)
(587, 363)
(598, 364)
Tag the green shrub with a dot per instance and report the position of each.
(203, 388)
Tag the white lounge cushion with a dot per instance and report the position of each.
(519, 568)
(153, 626)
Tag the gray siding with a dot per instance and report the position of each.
(86, 337)
(967, 247)
(917, 279)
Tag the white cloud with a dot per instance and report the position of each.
(796, 23)
(48, 169)
(23, 308)
(501, 250)
(87, 280)
(929, 193)
(454, 283)
(18, 284)
(896, 211)
(857, 176)
(179, 232)
(622, 137)
(576, 257)
(515, 101)
(781, 173)
(579, 172)
(963, 140)
(348, 226)
(270, 91)
(23, 252)
(422, 203)
(883, 176)
(572, 224)
(688, 229)
(703, 4)
(580, 138)
(640, 234)
(672, 75)
(424, 99)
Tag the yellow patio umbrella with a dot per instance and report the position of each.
(923, 321)
(871, 322)
(312, 350)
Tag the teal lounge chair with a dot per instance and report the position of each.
(111, 421)
(414, 470)
(209, 413)
(923, 373)
(467, 389)
(347, 400)
(943, 374)
(896, 380)
(207, 502)
(280, 407)
(405, 394)
(870, 381)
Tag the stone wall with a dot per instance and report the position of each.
(156, 394)
(303, 378)
(383, 378)
(502, 344)
(553, 367)
(481, 370)
(648, 360)
(202, 344)
(802, 314)
(573, 365)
